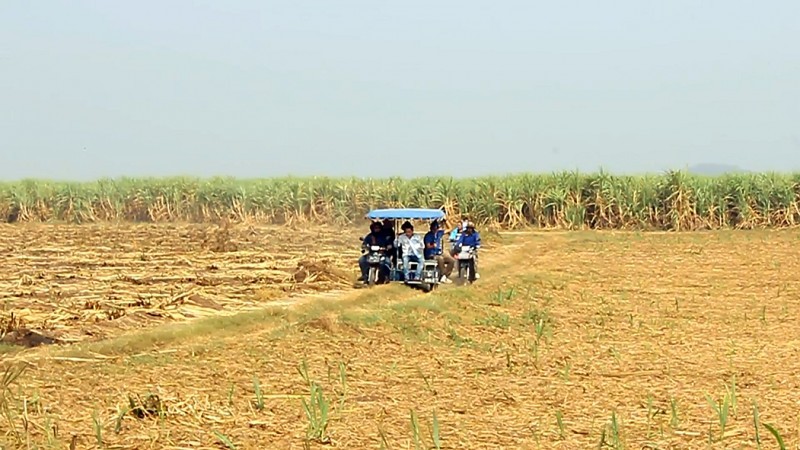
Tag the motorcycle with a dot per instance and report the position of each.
(465, 259)
(376, 258)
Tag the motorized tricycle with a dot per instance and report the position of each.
(423, 274)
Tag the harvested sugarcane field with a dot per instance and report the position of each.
(399, 226)
(95, 281)
(256, 334)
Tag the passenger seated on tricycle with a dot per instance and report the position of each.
(434, 252)
(388, 233)
(411, 248)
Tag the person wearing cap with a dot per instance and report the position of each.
(411, 247)
(433, 250)
(471, 238)
(375, 237)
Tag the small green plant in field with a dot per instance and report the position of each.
(651, 411)
(502, 297)
(497, 320)
(541, 321)
(50, 432)
(541, 329)
(615, 354)
(722, 410)
(757, 425)
(560, 424)
(674, 421)
(316, 409)
(436, 438)
(121, 413)
(384, 440)
(456, 338)
(611, 436)
(428, 379)
(302, 369)
(258, 393)
(225, 440)
(97, 425)
(724, 407)
(776, 435)
(416, 434)
(343, 377)
(566, 370)
(533, 348)
(731, 392)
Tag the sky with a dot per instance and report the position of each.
(256, 88)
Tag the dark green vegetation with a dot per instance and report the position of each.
(672, 201)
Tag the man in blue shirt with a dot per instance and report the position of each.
(471, 238)
(433, 250)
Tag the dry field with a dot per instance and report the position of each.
(94, 281)
(569, 340)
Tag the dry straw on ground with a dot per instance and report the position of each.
(77, 282)
(567, 340)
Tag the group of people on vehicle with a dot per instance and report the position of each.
(412, 248)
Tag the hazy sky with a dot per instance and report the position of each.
(261, 88)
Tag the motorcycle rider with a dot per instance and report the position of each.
(433, 250)
(375, 237)
(411, 245)
(471, 238)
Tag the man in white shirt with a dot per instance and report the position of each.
(411, 245)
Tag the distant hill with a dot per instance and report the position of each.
(715, 169)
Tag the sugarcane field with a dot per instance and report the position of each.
(256, 225)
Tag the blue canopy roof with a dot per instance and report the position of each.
(406, 214)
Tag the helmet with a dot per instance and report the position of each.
(471, 225)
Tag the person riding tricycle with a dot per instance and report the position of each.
(375, 261)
